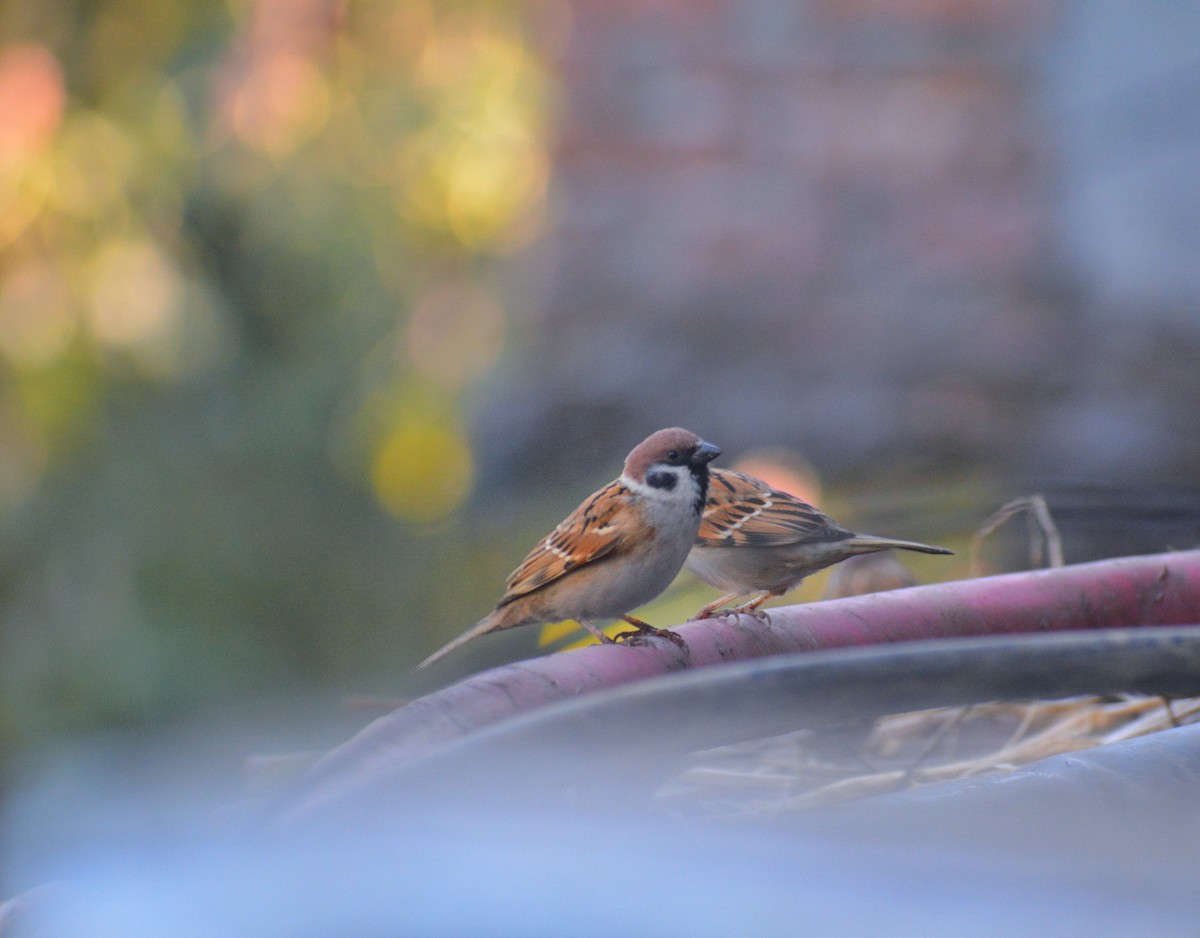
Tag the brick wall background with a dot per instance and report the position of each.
(903, 232)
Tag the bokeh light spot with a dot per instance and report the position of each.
(97, 162)
(491, 182)
(454, 334)
(785, 470)
(136, 297)
(36, 319)
(197, 338)
(31, 101)
(282, 102)
(479, 171)
(422, 472)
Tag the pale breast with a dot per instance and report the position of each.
(778, 569)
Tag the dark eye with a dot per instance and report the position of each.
(673, 456)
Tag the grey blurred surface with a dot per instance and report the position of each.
(529, 831)
(458, 873)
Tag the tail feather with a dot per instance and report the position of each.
(866, 543)
(492, 622)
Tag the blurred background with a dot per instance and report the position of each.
(315, 315)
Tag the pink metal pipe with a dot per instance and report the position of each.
(1162, 589)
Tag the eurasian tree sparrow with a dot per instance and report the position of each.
(617, 551)
(757, 539)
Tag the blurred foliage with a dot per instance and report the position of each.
(252, 264)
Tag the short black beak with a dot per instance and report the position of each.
(705, 453)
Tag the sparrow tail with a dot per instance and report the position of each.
(866, 544)
(489, 623)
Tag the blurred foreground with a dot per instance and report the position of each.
(561, 822)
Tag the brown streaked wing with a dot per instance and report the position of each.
(586, 534)
(743, 511)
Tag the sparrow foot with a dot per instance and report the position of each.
(639, 638)
(752, 608)
(644, 629)
(718, 607)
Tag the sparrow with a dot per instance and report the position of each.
(755, 539)
(616, 551)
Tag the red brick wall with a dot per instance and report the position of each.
(829, 224)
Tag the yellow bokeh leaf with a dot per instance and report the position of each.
(587, 638)
(554, 631)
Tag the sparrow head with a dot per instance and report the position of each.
(665, 459)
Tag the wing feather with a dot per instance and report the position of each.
(743, 511)
(587, 534)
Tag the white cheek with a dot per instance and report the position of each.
(671, 512)
(684, 489)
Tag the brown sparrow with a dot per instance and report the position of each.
(617, 551)
(756, 539)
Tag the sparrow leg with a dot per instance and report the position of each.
(710, 611)
(645, 628)
(751, 608)
(599, 633)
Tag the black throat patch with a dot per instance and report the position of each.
(700, 474)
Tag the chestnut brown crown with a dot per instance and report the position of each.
(673, 446)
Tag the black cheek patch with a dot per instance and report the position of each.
(661, 480)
